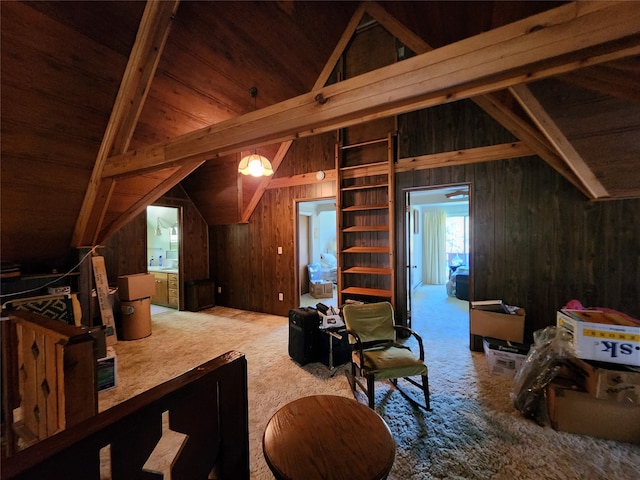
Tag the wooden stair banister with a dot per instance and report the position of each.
(51, 379)
(207, 403)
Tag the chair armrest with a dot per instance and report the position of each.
(413, 333)
(359, 344)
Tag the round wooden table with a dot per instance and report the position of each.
(328, 437)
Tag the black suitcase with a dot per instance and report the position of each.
(303, 334)
(336, 354)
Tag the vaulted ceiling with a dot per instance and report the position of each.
(108, 105)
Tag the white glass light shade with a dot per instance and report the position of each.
(255, 165)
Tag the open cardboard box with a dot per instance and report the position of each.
(502, 326)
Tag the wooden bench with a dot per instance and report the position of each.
(208, 404)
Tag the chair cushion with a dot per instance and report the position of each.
(372, 321)
(391, 362)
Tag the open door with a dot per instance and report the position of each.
(316, 244)
(437, 240)
(410, 226)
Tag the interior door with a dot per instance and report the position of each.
(409, 228)
(454, 200)
(303, 253)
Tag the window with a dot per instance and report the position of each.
(458, 240)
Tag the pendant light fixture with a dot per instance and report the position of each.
(254, 164)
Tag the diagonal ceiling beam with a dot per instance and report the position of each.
(561, 40)
(264, 183)
(612, 81)
(562, 145)
(320, 82)
(141, 205)
(526, 132)
(143, 61)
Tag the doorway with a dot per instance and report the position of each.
(163, 255)
(316, 252)
(437, 250)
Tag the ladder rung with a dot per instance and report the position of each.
(371, 292)
(367, 228)
(355, 208)
(366, 250)
(368, 270)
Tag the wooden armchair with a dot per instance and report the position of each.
(377, 355)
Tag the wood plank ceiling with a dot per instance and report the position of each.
(107, 105)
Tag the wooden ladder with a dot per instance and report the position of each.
(365, 218)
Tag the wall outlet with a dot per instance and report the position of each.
(281, 296)
(279, 250)
(219, 289)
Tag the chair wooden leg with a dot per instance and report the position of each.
(425, 388)
(371, 394)
(352, 377)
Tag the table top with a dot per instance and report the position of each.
(328, 437)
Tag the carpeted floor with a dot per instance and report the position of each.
(473, 431)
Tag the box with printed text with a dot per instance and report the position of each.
(604, 342)
(607, 381)
(504, 359)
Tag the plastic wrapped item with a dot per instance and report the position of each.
(550, 350)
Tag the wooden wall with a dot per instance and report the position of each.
(244, 259)
(125, 252)
(538, 243)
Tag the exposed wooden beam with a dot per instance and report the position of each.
(553, 133)
(397, 29)
(611, 81)
(342, 44)
(152, 196)
(147, 49)
(99, 210)
(530, 135)
(320, 82)
(255, 199)
(560, 40)
(464, 157)
(303, 179)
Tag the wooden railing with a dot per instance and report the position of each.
(49, 377)
(208, 404)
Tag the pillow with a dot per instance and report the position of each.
(329, 259)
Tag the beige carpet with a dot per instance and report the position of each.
(183, 340)
(473, 431)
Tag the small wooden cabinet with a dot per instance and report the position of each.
(172, 287)
(167, 289)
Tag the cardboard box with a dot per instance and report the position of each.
(108, 371)
(321, 289)
(137, 286)
(136, 319)
(504, 358)
(575, 411)
(607, 381)
(497, 325)
(603, 342)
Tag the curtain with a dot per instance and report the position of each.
(434, 246)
